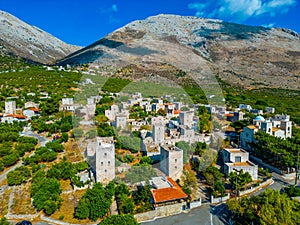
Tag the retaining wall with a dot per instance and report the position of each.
(161, 211)
(254, 189)
(220, 199)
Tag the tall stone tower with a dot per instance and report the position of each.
(186, 118)
(158, 130)
(10, 107)
(267, 127)
(286, 126)
(171, 161)
(105, 159)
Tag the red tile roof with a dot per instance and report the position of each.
(34, 109)
(176, 111)
(168, 194)
(17, 116)
(229, 115)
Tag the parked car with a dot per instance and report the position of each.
(24, 222)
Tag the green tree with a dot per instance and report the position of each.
(239, 180)
(83, 209)
(18, 176)
(269, 208)
(96, 200)
(64, 137)
(145, 160)
(119, 220)
(3, 221)
(132, 144)
(186, 148)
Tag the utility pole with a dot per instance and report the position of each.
(297, 168)
(236, 184)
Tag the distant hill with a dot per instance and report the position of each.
(20, 39)
(179, 48)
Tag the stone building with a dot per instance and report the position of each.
(280, 126)
(158, 130)
(121, 121)
(111, 114)
(236, 160)
(105, 159)
(101, 155)
(171, 161)
(10, 107)
(186, 118)
(67, 104)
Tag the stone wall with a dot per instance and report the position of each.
(220, 199)
(21, 216)
(254, 189)
(195, 204)
(161, 211)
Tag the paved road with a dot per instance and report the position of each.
(196, 216)
(27, 132)
(3, 176)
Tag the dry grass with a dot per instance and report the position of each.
(72, 151)
(3, 182)
(4, 199)
(22, 200)
(65, 185)
(67, 208)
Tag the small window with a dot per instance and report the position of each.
(108, 162)
(101, 163)
(175, 167)
(105, 154)
(105, 171)
(175, 160)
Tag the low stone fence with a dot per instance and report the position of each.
(195, 204)
(289, 175)
(21, 216)
(254, 189)
(161, 211)
(220, 199)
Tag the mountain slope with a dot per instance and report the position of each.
(29, 42)
(162, 46)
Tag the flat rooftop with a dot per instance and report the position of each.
(237, 164)
(234, 150)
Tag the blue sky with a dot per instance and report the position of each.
(83, 22)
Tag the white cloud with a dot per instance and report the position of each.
(114, 8)
(269, 25)
(111, 13)
(241, 10)
(111, 9)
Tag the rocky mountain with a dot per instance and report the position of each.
(29, 42)
(181, 49)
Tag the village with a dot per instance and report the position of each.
(162, 144)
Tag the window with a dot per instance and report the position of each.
(108, 162)
(105, 154)
(175, 167)
(238, 159)
(101, 163)
(105, 171)
(175, 160)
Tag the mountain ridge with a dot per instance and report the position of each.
(242, 55)
(30, 42)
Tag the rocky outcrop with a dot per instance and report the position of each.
(246, 56)
(29, 42)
